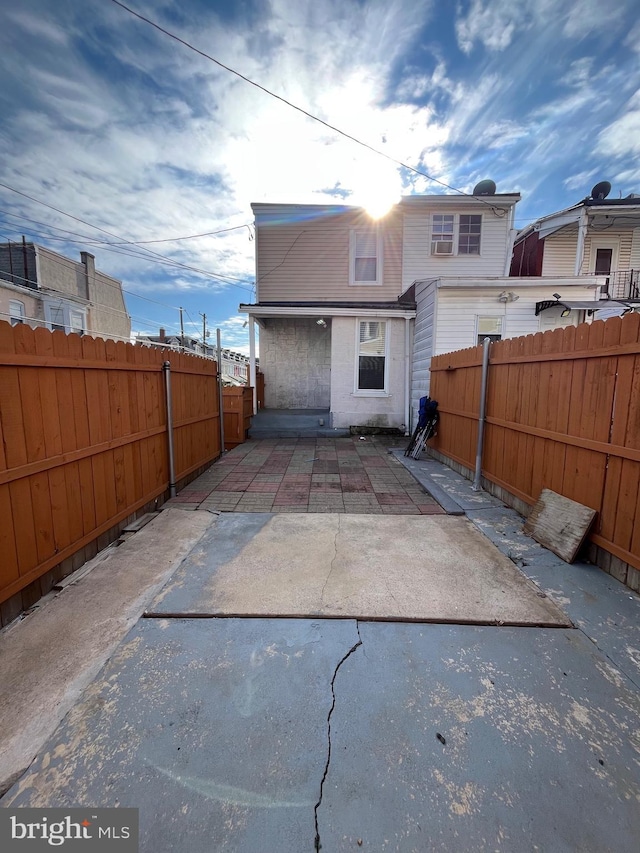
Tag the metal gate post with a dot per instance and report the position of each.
(172, 474)
(483, 407)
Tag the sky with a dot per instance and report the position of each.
(110, 120)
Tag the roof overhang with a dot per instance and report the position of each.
(584, 305)
(320, 310)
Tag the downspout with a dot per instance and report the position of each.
(252, 363)
(582, 233)
(172, 474)
(407, 376)
(483, 408)
(512, 237)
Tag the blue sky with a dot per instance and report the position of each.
(109, 120)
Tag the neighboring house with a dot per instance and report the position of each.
(42, 288)
(334, 335)
(597, 236)
(235, 365)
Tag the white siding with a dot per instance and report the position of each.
(423, 341)
(458, 309)
(634, 259)
(419, 263)
(349, 409)
(560, 252)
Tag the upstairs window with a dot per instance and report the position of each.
(442, 234)
(366, 257)
(455, 234)
(65, 317)
(372, 356)
(16, 312)
(469, 235)
(56, 318)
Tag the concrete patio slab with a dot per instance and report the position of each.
(474, 739)
(258, 735)
(217, 732)
(424, 568)
(48, 658)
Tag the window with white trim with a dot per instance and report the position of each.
(372, 356)
(470, 228)
(365, 263)
(455, 234)
(489, 327)
(442, 227)
(16, 312)
(64, 317)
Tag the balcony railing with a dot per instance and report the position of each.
(622, 284)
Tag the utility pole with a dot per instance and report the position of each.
(181, 330)
(204, 332)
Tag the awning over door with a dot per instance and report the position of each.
(589, 306)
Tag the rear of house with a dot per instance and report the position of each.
(334, 336)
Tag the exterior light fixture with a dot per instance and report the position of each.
(322, 323)
(556, 296)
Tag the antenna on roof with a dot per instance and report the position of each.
(601, 190)
(486, 187)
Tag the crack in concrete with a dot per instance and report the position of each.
(317, 844)
(333, 560)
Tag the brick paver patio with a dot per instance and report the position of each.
(310, 475)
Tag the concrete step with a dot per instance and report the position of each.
(296, 432)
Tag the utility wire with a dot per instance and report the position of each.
(295, 106)
(126, 242)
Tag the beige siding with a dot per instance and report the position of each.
(419, 263)
(309, 260)
(560, 252)
(34, 315)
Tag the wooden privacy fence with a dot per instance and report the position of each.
(83, 440)
(563, 412)
(237, 409)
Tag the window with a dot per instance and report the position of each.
(442, 234)
(16, 312)
(366, 257)
(455, 234)
(489, 327)
(63, 317)
(469, 235)
(372, 361)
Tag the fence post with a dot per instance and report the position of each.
(220, 397)
(483, 405)
(167, 381)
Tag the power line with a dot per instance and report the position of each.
(229, 279)
(295, 106)
(190, 236)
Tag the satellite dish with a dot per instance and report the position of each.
(601, 190)
(485, 188)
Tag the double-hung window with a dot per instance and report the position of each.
(442, 234)
(469, 234)
(16, 312)
(65, 317)
(366, 257)
(372, 356)
(455, 234)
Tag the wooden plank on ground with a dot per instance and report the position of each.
(559, 524)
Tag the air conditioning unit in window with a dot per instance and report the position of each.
(443, 247)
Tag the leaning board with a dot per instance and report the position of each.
(559, 524)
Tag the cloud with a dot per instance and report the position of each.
(622, 137)
(580, 181)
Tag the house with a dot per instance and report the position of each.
(597, 236)
(334, 336)
(351, 310)
(42, 288)
(234, 365)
